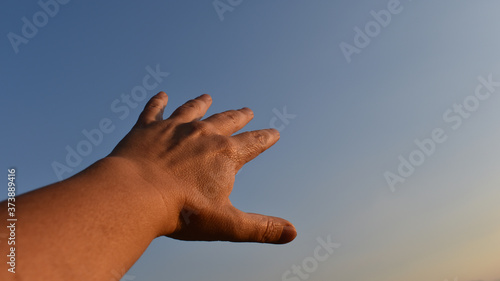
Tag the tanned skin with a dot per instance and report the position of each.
(169, 177)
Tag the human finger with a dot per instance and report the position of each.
(192, 110)
(153, 111)
(231, 121)
(251, 144)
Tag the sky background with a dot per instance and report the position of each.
(326, 174)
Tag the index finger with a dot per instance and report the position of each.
(251, 144)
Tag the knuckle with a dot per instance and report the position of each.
(200, 127)
(189, 106)
(270, 233)
(155, 102)
(261, 138)
(232, 116)
(224, 144)
(226, 148)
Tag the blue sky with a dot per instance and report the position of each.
(326, 175)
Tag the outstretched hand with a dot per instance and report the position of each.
(191, 163)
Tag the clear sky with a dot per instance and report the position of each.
(359, 103)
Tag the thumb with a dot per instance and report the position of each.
(260, 228)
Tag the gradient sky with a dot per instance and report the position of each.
(326, 174)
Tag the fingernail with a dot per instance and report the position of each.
(247, 109)
(206, 96)
(275, 131)
(287, 235)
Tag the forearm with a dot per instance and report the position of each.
(95, 225)
(92, 226)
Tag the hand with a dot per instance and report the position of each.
(192, 164)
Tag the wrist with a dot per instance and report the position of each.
(159, 208)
